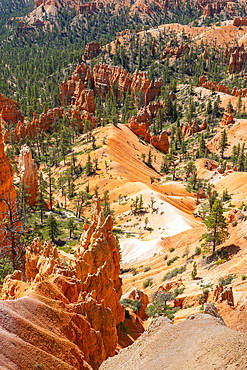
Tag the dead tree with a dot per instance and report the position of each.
(10, 230)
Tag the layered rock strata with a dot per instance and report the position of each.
(227, 118)
(190, 129)
(69, 316)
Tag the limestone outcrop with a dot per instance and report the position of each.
(238, 58)
(139, 295)
(227, 118)
(223, 294)
(105, 77)
(92, 50)
(28, 174)
(160, 141)
(203, 81)
(140, 123)
(75, 304)
(240, 22)
(190, 129)
(43, 123)
(175, 52)
(77, 90)
(9, 110)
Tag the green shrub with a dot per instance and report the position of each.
(226, 281)
(159, 306)
(122, 328)
(147, 269)
(5, 269)
(135, 305)
(134, 271)
(172, 260)
(203, 297)
(148, 282)
(170, 274)
(243, 277)
(172, 249)
(198, 251)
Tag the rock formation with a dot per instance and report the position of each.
(9, 110)
(28, 174)
(238, 58)
(77, 91)
(190, 129)
(134, 294)
(105, 77)
(203, 81)
(76, 305)
(92, 50)
(7, 196)
(227, 118)
(140, 123)
(160, 141)
(223, 294)
(43, 123)
(240, 22)
(177, 52)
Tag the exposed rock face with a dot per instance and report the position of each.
(76, 306)
(221, 88)
(43, 123)
(76, 92)
(140, 123)
(160, 142)
(240, 22)
(227, 118)
(238, 58)
(177, 52)
(223, 294)
(7, 194)
(9, 110)
(190, 129)
(28, 174)
(92, 50)
(134, 294)
(106, 76)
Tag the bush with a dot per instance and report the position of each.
(226, 281)
(147, 269)
(148, 282)
(203, 297)
(134, 305)
(172, 260)
(178, 270)
(5, 269)
(243, 277)
(159, 306)
(198, 251)
(134, 271)
(122, 328)
(172, 249)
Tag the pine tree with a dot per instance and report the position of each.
(216, 225)
(52, 227)
(223, 143)
(89, 166)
